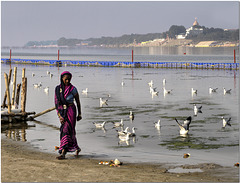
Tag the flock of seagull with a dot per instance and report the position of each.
(39, 85)
(124, 134)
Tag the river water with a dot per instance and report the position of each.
(207, 141)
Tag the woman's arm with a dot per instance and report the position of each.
(79, 117)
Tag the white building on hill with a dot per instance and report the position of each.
(194, 30)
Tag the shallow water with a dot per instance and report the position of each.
(207, 142)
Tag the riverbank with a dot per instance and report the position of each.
(22, 163)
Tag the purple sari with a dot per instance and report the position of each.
(67, 110)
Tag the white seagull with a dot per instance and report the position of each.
(211, 90)
(164, 82)
(37, 85)
(51, 75)
(152, 90)
(122, 83)
(184, 128)
(166, 91)
(226, 91)
(46, 89)
(150, 83)
(196, 109)
(225, 123)
(123, 132)
(85, 91)
(48, 72)
(33, 74)
(99, 125)
(193, 91)
(118, 124)
(131, 115)
(102, 102)
(133, 133)
(158, 124)
(124, 137)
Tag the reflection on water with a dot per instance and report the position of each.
(16, 131)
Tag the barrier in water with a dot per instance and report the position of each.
(175, 65)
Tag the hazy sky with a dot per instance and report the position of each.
(50, 20)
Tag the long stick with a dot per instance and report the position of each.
(14, 85)
(8, 94)
(5, 96)
(43, 112)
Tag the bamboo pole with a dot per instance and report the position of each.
(23, 94)
(5, 95)
(41, 113)
(8, 94)
(23, 73)
(14, 85)
(17, 95)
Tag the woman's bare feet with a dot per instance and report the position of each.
(62, 156)
(77, 152)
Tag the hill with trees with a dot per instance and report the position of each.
(209, 34)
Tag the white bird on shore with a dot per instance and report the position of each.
(157, 124)
(225, 123)
(196, 109)
(193, 91)
(99, 125)
(33, 74)
(103, 102)
(211, 90)
(46, 89)
(118, 124)
(131, 115)
(122, 83)
(51, 75)
(184, 128)
(48, 72)
(85, 91)
(123, 132)
(226, 91)
(150, 83)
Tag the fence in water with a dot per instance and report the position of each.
(170, 65)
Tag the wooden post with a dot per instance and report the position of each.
(14, 85)
(23, 73)
(234, 55)
(132, 55)
(5, 96)
(23, 94)
(8, 94)
(17, 95)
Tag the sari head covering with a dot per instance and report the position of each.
(67, 111)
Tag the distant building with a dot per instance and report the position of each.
(194, 30)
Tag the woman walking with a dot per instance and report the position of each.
(65, 93)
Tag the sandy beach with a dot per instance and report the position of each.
(22, 163)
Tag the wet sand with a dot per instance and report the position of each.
(22, 163)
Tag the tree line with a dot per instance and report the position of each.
(209, 34)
